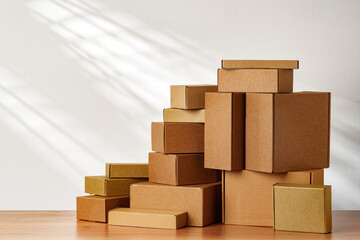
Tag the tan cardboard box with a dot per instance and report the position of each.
(95, 208)
(277, 64)
(147, 218)
(225, 131)
(255, 80)
(184, 115)
(247, 195)
(189, 96)
(126, 170)
(107, 187)
(302, 208)
(202, 202)
(177, 137)
(287, 132)
(180, 169)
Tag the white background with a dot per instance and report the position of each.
(81, 81)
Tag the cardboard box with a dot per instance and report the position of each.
(247, 195)
(202, 202)
(302, 208)
(225, 131)
(287, 132)
(95, 208)
(107, 187)
(147, 218)
(177, 137)
(184, 115)
(126, 170)
(277, 64)
(189, 96)
(179, 169)
(255, 80)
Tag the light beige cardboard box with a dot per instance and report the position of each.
(126, 170)
(272, 64)
(189, 96)
(184, 115)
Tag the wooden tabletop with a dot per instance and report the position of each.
(63, 225)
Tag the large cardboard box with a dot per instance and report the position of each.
(302, 207)
(177, 137)
(247, 195)
(287, 132)
(225, 131)
(277, 64)
(95, 208)
(184, 115)
(126, 170)
(255, 80)
(202, 202)
(180, 169)
(189, 96)
(147, 218)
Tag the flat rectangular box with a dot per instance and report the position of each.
(202, 202)
(95, 208)
(147, 218)
(189, 96)
(225, 131)
(180, 169)
(255, 80)
(302, 208)
(126, 170)
(107, 187)
(184, 115)
(247, 195)
(275, 64)
(177, 137)
(287, 132)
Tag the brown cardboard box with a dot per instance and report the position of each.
(202, 202)
(147, 218)
(184, 115)
(247, 195)
(179, 169)
(126, 170)
(103, 186)
(225, 131)
(302, 208)
(277, 64)
(287, 132)
(95, 208)
(189, 96)
(255, 80)
(177, 137)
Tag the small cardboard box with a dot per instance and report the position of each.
(276, 64)
(177, 137)
(302, 208)
(180, 169)
(95, 208)
(287, 132)
(107, 187)
(202, 202)
(225, 131)
(189, 96)
(147, 218)
(184, 115)
(255, 80)
(126, 170)
(247, 195)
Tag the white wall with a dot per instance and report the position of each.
(80, 81)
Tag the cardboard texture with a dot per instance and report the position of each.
(202, 202)
(276, 64)
(179, 169)
(225, 131)
(189, 96)
(255, 80)
(103, 186)
(177, 137)
(95, 208)
(302, 208)
(287, 132)
(126, 170)
(184, 115)
(247, 195)
(147, 218)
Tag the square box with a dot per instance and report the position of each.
(184, 115)
(189, 96)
